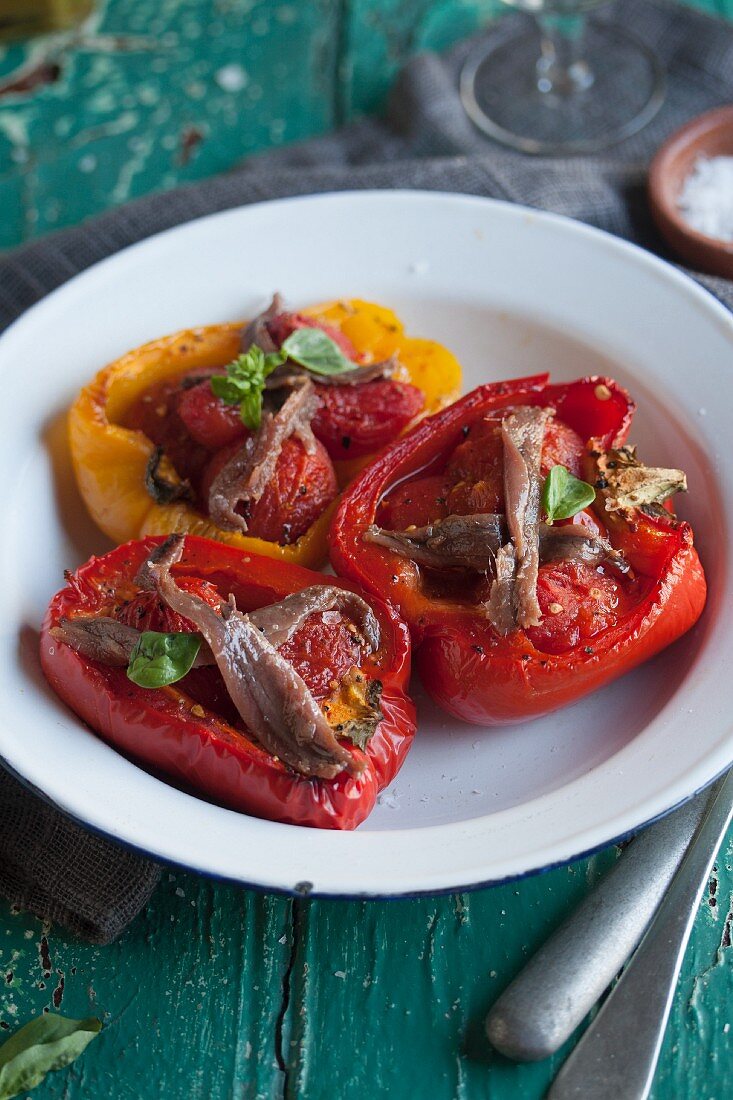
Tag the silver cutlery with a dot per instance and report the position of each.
(654, 888)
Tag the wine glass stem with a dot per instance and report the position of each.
(562, 73)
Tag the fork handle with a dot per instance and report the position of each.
(617, 1056)
(560, 984)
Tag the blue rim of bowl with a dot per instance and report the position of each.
(304, 890)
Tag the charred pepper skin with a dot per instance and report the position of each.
(165, 730)
(110, 460)
(466, 667)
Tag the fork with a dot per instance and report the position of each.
(654, 888)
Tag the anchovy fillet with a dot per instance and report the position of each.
(99, 638)
(500, 604)
(279, 621)
(472, 543)
(456, 542)
(243, 480)
(289, 373)
(273, 701)
(256, 332)
(104, 639)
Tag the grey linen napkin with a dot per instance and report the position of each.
(64, 874)
(51, 865)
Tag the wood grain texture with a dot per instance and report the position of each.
(190, 996)
(214, 991)
(219, 992)
(153, 93)
(424, 973)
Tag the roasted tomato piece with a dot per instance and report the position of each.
(302, 486)
(577, 602)
(146, 610)
(470, 498)
(353, 421)
(477, 464)
(416, 502)
(209, 420)
(562, 447)
(479, 456)
(322, 651)
(156, 416)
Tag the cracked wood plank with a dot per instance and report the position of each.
(190, 995)
(106, 114)
(414, 980)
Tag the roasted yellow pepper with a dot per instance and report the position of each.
(110, 460)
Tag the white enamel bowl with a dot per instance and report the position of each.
(512, 292)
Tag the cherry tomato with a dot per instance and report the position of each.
(210, 421)
(475, 473)
(562, 447)
(471, 499)
(155, 414)
(416, 503)
(353, 421)
(301, 487)
(478, 461)
(577, 602)
(480, 455)
(146, 610)
(322, 651)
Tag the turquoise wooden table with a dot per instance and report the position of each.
(216, 992)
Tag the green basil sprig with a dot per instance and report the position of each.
(47, 1043)
(564, 495)
(161, 659)
(244, 381)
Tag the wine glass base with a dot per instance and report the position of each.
(618, 89)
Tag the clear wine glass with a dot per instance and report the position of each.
(557, 83)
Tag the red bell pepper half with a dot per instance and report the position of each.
(190, 730)
(469, 668)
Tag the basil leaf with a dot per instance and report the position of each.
(47, 1043)
(250, 410)
(317, 352)
(244, 383)
(161, 659)
(227, 389)
(564, 495)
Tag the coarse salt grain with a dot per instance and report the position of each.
(706, 199)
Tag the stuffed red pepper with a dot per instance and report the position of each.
(533, 554)
(269, 689)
